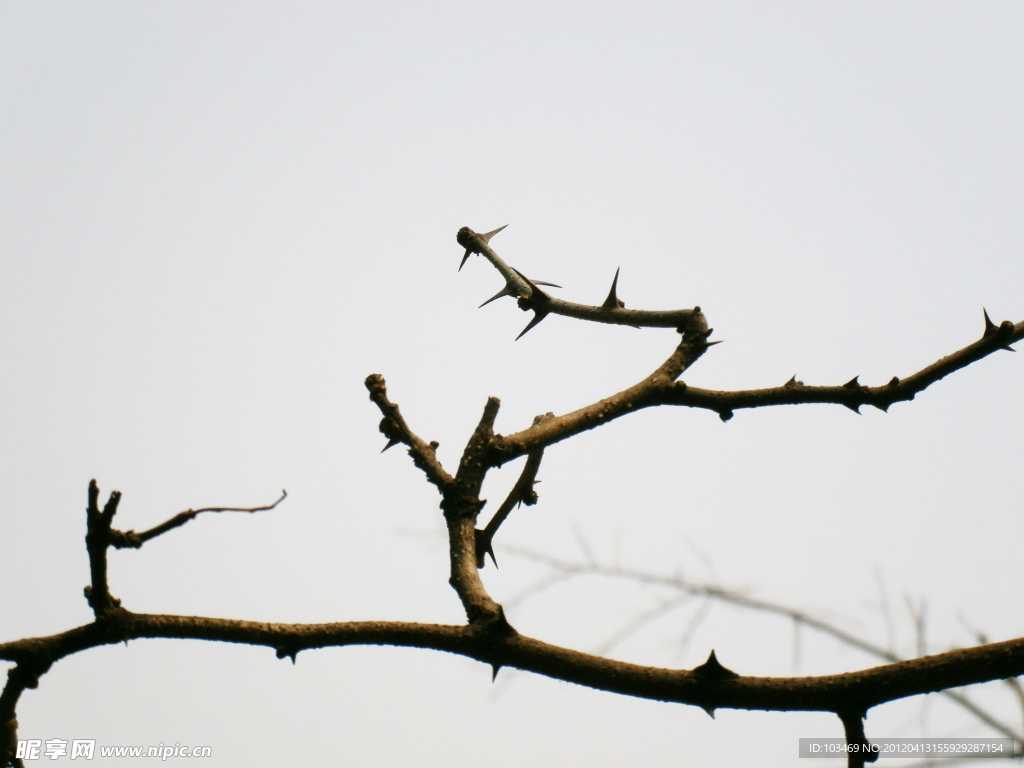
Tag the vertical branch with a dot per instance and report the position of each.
(859, 750)
(97, 540)
(461, 505)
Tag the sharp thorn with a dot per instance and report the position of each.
(506, 291)
(463, 262)
(486, 237)
(852, 383)
(855, 407)
(536, 319)
(391, 444)
(713, 668)
(990, 327)
(613, 301)
(509, 290)
(792, 381)
(536, 293)
(494, 671)
(709, 709)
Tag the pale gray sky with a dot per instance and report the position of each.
(217, 219)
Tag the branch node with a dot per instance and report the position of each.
(287, 652)
(492, 627)
(536, 294)
(1006, 331)
(853, 726)
(465, 238)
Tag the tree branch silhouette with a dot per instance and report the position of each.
(487, 635)
(565, 569)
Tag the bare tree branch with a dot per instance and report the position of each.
(562, 570)
(642, 395)
(394, 428)
(702, 686)
(133, 540)
(531, 297)
(487, 636)
(522, 493)
(852, 394)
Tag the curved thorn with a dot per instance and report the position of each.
(990, 327)
(613, 301)
(536, 319)
(506, 291)
(392, 442)
(509, 290)
(486, 237)
(852, 383)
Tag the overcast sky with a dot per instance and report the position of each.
(216, 219)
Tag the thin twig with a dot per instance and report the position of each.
(131, 539)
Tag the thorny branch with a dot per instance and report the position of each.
(852, 394)
(394, 428)
(487, 636)
(522, 493)
(530, 297)
(561, 570)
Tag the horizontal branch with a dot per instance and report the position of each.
(852, 394)
(531, 297)
(661, 388)
(709, 686)
(741, 600)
